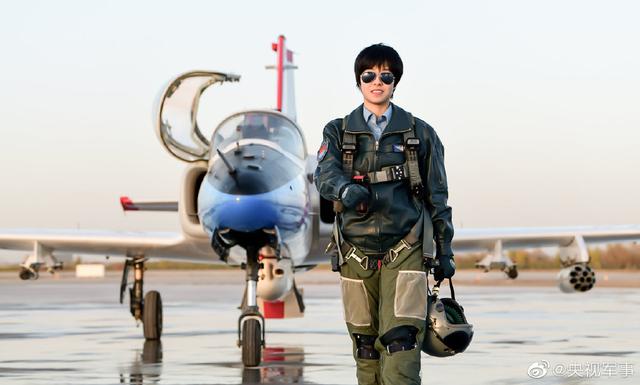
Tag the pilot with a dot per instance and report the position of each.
(384, 170)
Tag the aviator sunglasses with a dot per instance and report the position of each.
(369, 76)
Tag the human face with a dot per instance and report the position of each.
(376, 93)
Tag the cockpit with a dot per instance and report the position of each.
(256, 126)
(179, 131)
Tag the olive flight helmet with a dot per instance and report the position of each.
(448, 332)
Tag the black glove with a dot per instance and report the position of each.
(352, 194)
(445, 269)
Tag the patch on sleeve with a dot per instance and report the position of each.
(324, 148)
(398, 148)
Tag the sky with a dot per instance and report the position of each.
(536, 102)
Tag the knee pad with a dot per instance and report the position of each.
(400, 338)
(365, 347)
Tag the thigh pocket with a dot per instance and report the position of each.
(411, 295)
(356, 302)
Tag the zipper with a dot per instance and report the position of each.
(375, 167)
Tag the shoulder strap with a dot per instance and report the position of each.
(348, 149)
(411, 147)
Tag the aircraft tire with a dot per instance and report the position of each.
(152, 316)
(251, 343)
(26, 274)
(512, 272)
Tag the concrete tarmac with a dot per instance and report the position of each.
(73, 331)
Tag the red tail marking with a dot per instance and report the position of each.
(127, 204)
(280, 53)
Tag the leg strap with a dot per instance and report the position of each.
(400, 338)
(365, 347)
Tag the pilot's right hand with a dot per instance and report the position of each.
(352, 194)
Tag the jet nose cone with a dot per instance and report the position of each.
(246, 213)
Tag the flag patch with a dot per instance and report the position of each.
(324, 148)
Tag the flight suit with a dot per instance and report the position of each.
(385, 302)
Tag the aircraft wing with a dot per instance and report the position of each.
(112, 243)
(475, 240)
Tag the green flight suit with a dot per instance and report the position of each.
(379, 300)
(376, 301)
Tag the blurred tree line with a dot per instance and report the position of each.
(626, 257)
(610, 257)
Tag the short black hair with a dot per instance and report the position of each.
(378, 55)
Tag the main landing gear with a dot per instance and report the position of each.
(496, 259)
(148, 310)
(251, 323)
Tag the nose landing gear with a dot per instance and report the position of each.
(148, 310)
(251, 331)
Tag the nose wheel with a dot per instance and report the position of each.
(251, 323)
(251, 342)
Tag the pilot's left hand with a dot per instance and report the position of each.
(446, 265)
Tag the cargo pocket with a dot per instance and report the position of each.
(411, 295)
(355, 301)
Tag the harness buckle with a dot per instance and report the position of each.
(392, 348)
(396, 172)
(363, 262)
(349, 147)
(412, 142)
(395, 252)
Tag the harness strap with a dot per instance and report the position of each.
(388, 174)
(348, 149)
(370, 262)
(413, 237)
(409, 170)
(411, 146)
(367, 262)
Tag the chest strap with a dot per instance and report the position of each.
(388, 174)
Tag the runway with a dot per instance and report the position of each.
(72, 331)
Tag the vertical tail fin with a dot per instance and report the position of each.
(286, 102)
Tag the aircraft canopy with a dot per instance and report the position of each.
(265, 125)
(177, 112)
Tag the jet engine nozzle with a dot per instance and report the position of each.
(275, 278)
(576, 278)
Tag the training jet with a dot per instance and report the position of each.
(247, 199)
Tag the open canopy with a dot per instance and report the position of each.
(177, 112)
